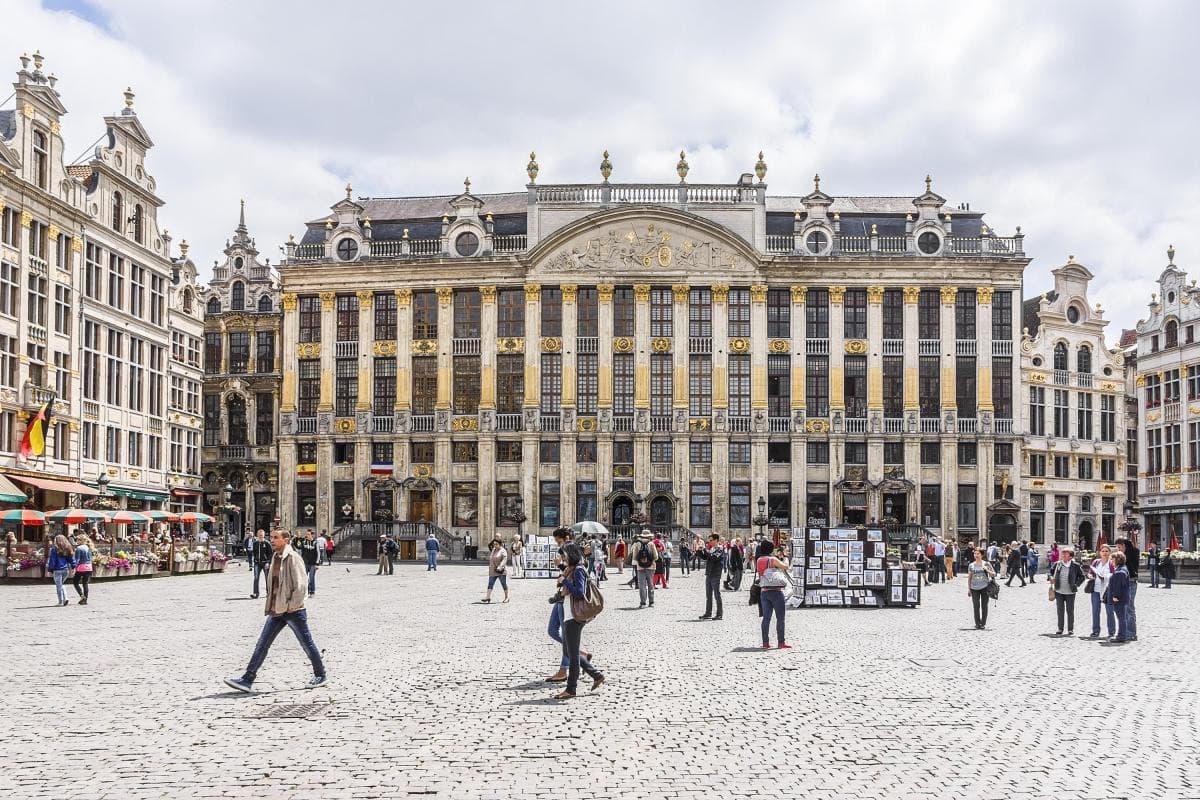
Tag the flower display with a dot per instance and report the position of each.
(27, 563)
(217, 556)
(119, 563)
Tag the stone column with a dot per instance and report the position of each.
(912, 358)
(487, 348)
(949, 350)
(224, 346)
(366, 367)
(837, 351)
(641, 388)
(328, 338)
(533, 353)
(445, 342)
(403, 353)
(983, 355)
(758, 349)
(285, 507)
(874, 398)
(487, 483)
(799, 349)
(720, 404)
(604, 294)
(570, 323)
(680, 352)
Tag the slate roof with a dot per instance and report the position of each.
(860, 205)
(385, 209)
(8, 124)
(1029, 312)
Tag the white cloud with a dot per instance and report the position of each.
(1069, 119)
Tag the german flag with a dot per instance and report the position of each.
(33, 445)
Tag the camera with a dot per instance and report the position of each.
(554, 599)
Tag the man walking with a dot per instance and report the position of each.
(1016, 565)
(261, 558)
(993, 556)
(432, 548)
(321, 543)
(285, 609)
(643, 556)
(310, 555)
(391, 550)
(714, 564)
(685, 556)
(248, 546)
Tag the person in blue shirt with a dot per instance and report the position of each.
(432, 548)
(575, 580)
(1118, 595)
(60, 563)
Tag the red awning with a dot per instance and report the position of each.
(185, 493)
(68, 487)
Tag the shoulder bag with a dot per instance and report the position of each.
(586, 608)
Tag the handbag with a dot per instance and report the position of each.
(1090, 586)
(755, 593)
(586, 608)
(774, 578)
(993, 589)
(1050, 592)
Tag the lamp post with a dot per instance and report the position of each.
(1130, 527)
(761, 520)
(102, 488)
(226, 493)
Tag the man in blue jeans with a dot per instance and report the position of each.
(432, 548)
(285, 609)
(260, 560)
(1132, 554)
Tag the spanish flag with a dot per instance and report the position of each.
(33, 445)
(306, 470)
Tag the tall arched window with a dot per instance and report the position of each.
(118, 215)
(237, 296)
(214, 306)
(138, 226)
(1083, 359)
(264, 303)
(236, 406)
(1060, 356)
(1172, 333)
(187, 301)
(41, 160)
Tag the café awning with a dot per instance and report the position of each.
(67, 487)
(9, 492)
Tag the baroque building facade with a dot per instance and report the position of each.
(1168, 394)
(86, 278)
(586, 351)
(1073, 485)
(241, 384)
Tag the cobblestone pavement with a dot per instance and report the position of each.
(433, 694)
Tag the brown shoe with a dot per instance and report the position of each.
(557, 677)
(565, 696)
(597, 682)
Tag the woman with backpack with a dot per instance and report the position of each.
(574, 589)
(773, 579)
(60, 563)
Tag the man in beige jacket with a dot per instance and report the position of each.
(285, 609)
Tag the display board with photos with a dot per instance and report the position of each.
(540, 552)
(841, 566)
(904, 585)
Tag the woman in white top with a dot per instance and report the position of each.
(1099, 572)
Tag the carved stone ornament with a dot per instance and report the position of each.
(569, 291)
(660, 344)
(836, 295)
(856, 347)
(533, 292)
(345, 425)
(290, 302)
(1112, 387)
(874, 295)
(1037, 377)
(445, 295)
(633, 247)
(308, 350)
(604, 292)
(26, 217)
(510, 344)
(799, 294)
(403, 297)
(422, 471)
(424, 347)
(700, 424)
(817, 426)
(778, 346)
(1172, 483)
(912, 294)
(641, 292)
(327, 299)
(949, 294)
(465, 424)
(364, 298)
(384, 348)
(758, 293)
(551, 344)
(983, 295)
(623, 344)
(739, 344)
(680, 291)
(487, 294)
(52, 232)
(720, 292)
(585, 424)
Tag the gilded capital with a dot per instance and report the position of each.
(327, 300)
(364, 298)
(26, 219)
(874, 295)
(569, 290)
(76, 244)
(52, 232)
(680, 290)
(403, 297)
(837, 294)
(445, 295)
(641, 292)
(289, 301)
(949, 293)
(720, 292)
(799, 294)
(983, 295)
(487, 294)
(758, 293)
(605, 292)
(533, 292)
(912, 294)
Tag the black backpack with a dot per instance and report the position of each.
(644, 559)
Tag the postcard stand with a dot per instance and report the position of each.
(539, 557)
(903, 585)
(841, 566)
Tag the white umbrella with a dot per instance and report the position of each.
(590, 526)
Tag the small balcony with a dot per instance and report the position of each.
(509, 423)
(345, 349)
(306, 425)
(234, 452)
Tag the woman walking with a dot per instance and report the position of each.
(1099, 572)
(83, 569)
(60, 563)
(497, 569)
(619, 555)
(668, 555)
(1034, 555)
(573, 588)
(979, 579)
(772, 580)
(516, 552)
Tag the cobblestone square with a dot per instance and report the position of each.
(433, 694)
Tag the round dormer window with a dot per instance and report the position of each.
(1073, 315)
(237, 263)
(1037, 361)
(347, 249)
(466, 244)
(1170, 297)
(817, 242)
(929, 243)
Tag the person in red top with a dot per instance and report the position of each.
(771, 597)
(328, 548)
(620, 555)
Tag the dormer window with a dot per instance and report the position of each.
(138, 225)
(1072, 315)
(467, 244)
(213, 307)
(1060, 356)
(347, 249)
(1172, 333)
(187, 301)
(929, 243)
(238, 263)
(237, 296)
(264, 303)
(41, 160)
(1083, 360)
(118, 213)
(817, 242)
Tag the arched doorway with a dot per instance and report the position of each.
(1003, 528)
(1085, 534)
(662, 511)
(621, 510)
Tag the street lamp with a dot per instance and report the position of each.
(226, 493)
(761, 520)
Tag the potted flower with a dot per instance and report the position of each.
(27, 565)
(217, 560)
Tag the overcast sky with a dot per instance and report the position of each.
(1076, 121)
